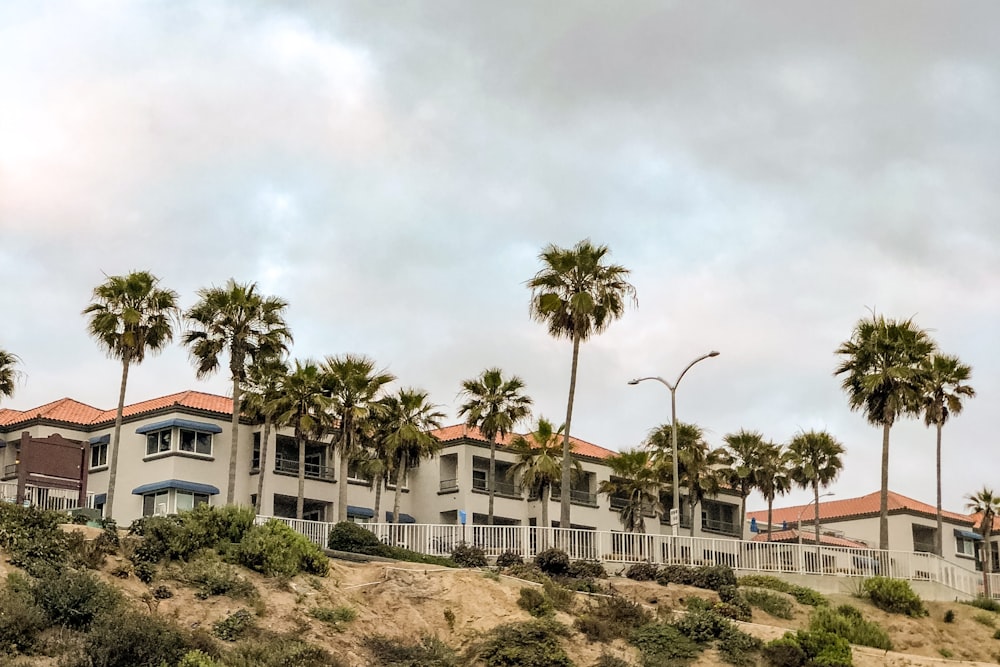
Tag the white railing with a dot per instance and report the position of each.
(48, 498)
(626, 548)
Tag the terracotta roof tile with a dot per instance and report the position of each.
(458, 431)
(189, 399)
(8, 416)
(64, 410)
(854, 507)
(810, 538)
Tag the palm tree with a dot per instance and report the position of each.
(302, 404)
(238, 320)
(742, 458)
(699, 467)
(814, 461)
(881, 366)
(771, 478)
(635, 479)
(8, 373)
(986, 504)
(539, 463)
(354, 385)
(265, 379)
(129, 317)
(494, 405)
(945, 377)
(411, 418)
(577, 295)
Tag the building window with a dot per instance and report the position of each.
(157, 441)
(255, 456)
(99, 455)
(196, 442)
(187, 500)
(155, 503)
(965, 547)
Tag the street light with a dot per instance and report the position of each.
(676, 511)
(798, 520)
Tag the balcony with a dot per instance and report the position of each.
(312, 470)
(713, 526)
(10, 471)
(577, 497)
(502, 488)
(448, 486)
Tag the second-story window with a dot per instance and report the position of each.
(184, 440)
(196, 442)
(158, 441)
(99, 455)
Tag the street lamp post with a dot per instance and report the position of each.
(798, 520)
(676, 511)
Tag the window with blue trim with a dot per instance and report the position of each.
(179, 439)
(98, 455)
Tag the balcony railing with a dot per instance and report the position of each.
(714, 526)
(502, 488)
(10, 471)
(312, 470)
(448, 485)
(577, 497)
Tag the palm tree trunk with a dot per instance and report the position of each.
(883, 508)
(493, 474)
(300, 500)
(379, 479)
(113, 472)
(345, 448)
(938, 536)
(987, 557)
(235, 441)
(815, 514)
(564, 499)
(770, 519)
(545, 516)
(262, 464)
(399, 488)
(743, 516)
(693, 502)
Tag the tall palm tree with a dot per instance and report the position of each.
(411, 418)
(129, 317)
(883, 377)
(354, 385)
(265, 379)
(8, 372)
(303, 405)
(237, 320)
(635, 479)
(813, 462)
(494, 405)
(742, 458)
(577, 295)
(539, 463)
(771, 478)
(700, 468)
(945, 385)
(986, 504)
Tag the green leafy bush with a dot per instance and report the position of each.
(664, 645)
(702, 626)
(210, 577)
(641, 571)
(608, 660)
(21, 620)
(530, 644)
(509, 559)
(133, 639)
(73, 599)
(32, 538)
(429, 652)
(675, 574)
(586, 569)
(198, 658)
(561, 597)
(528, 572)
(350, 537)
(275, 549)
(984, 618)
(714, 577)
(894, 596)
(848, 622)
(824, 649)
(732, 604)
(996, 634)
(233, 627)
(738, 648)
(276, 650)
(784, 652)
(949, 616)
(334, 616)
(612, 618)
(983, 602)
(534, 602)
(468, 555)
(552, 561)
(773, 603)
(802, 594)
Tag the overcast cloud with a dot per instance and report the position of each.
(768, 171)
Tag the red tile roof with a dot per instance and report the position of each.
(810, 538)
(74, 412)
(63, 410)
(459, 431)
(855, 507)
(188, 399)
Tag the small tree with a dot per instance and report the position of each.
(814, 461)
(633, 478)
(986, 504)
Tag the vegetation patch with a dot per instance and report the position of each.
(468, 555)
(775, 604)
(983, 602)
(429, 652)
(530, 644)
(848, 622)
(641, 571)
(612, 618)
(663, 645)
(275, 549)
(985, 618)
(534, 602)
(711, 577)
(509, 559)
(808, 648)
(235, 626)
(209, 576)
(552, 561)
(334, 616)
(894, 596)
(802, 594)
(279, 650)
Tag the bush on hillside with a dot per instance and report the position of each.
(848, 622)
(552, 561)
(133, 639)
(662, 644)
(529, 644)
(210, 576)
(391, 652)
(894, 596)
(274, 549)
(350, 537)
(702, 626)
(534, 602)
(641, 571)
(675, 574)
(738, 648)
(784, 652)
(711, 577)
(180, 536)
(586, 569)
(32, 538)
(21, 620)
(279, 650)
(509, 559)
(73, 599)
(612, 618)
(802, 594)
(983, 602)
(775, 604)
(468, 555)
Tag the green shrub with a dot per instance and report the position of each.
(273, 650)
(587, 569)
(509, 559)
(429, 652)
(675, 574)
(824, 649)
(949, 616)
(774, 604)
(641, 571)
(534, 602)
(996, 635)
(468, 555)
(808, 596)
(984, 618)
(530, 644)
(233, 627)
(198, 659)
(784, 652)
(738, 610)
(738, 648)
(847, 622)
(561, 597)
(274, 549)
(946, 653)
(210, 577)
(350, 537)
(161, 592)
(663, 645)
(612, 618)
(528, 572)
(714, 577)
(21, 620)
(608, 660)
(334, 616)
(73, 599)
(702, 626)
(133, 639)
(983, 602)
(894, 596)
(32, 538)
(552, 561)
(144, 572)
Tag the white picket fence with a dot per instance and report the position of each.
(48, 498)
(614, 547)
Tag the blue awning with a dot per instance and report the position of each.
(100, 498)
(968, 535)
(101, 439)
(360, 511)
(403, 518)
(178, 484)
(204, 427)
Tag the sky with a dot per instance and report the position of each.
(769, 172)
